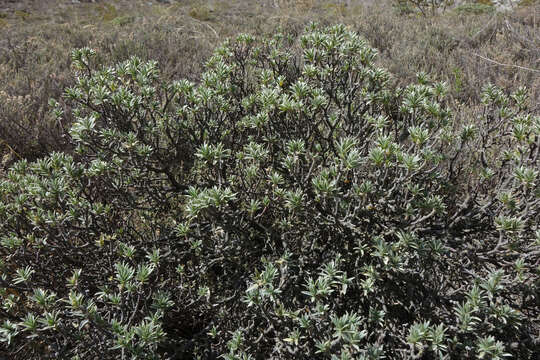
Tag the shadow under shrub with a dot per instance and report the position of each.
(293, 204)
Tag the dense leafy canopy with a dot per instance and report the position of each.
(293, 204)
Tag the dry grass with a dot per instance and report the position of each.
(467, 49)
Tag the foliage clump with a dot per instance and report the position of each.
(474, 8)
(293, 204)
(425, 7)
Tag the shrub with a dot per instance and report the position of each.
(425, 7)
(474, 8)
(201, 12)
(293, 204)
